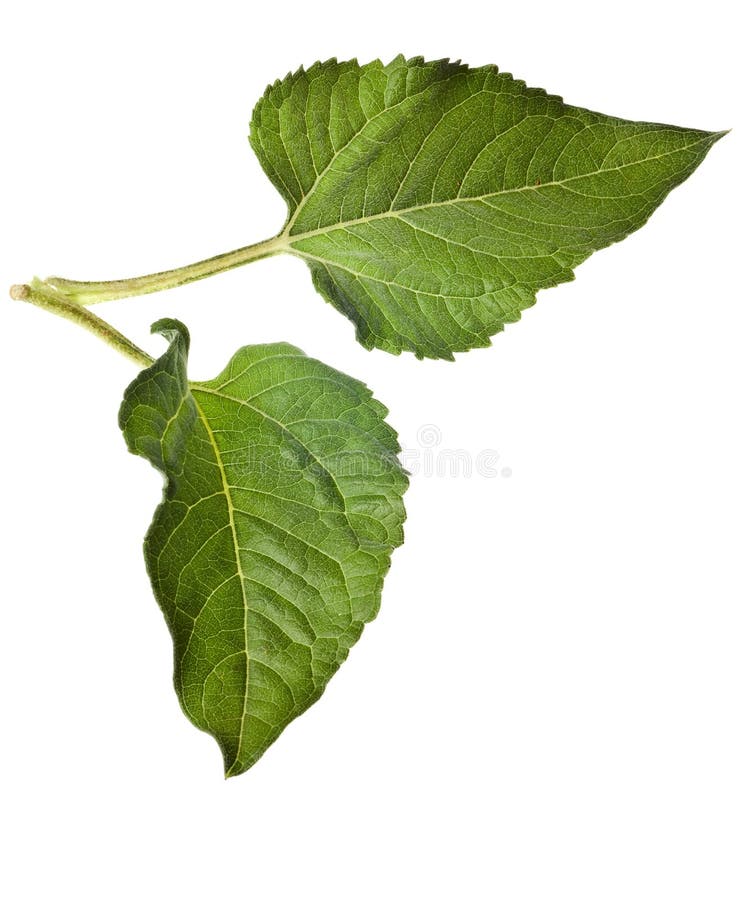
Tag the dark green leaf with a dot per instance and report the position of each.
(282, 505)
(431, 201)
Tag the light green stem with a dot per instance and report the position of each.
(69, 299)
(85, 293)
(47, 297)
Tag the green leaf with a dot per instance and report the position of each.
(431, 201)
(282, 505)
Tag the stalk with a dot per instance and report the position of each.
(41, 294)
(85, 293)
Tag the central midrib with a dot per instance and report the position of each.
(292, 238)
(232, 527)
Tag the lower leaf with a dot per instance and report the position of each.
(282, 505)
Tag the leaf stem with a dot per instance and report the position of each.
(41, 294)
(85, 293)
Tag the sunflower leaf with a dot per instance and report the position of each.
(282, 505)
(432, 201)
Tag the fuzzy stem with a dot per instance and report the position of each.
(41, 294)
(85, 293)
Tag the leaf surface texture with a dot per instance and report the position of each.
(432, 201)
(282, 505)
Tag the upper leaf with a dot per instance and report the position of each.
(431, 201)
(282, 505)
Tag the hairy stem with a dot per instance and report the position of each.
(41, 294)
(85, 293)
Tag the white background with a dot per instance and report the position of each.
(548, 704)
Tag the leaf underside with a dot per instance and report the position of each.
(432, 201)
(282, 505)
